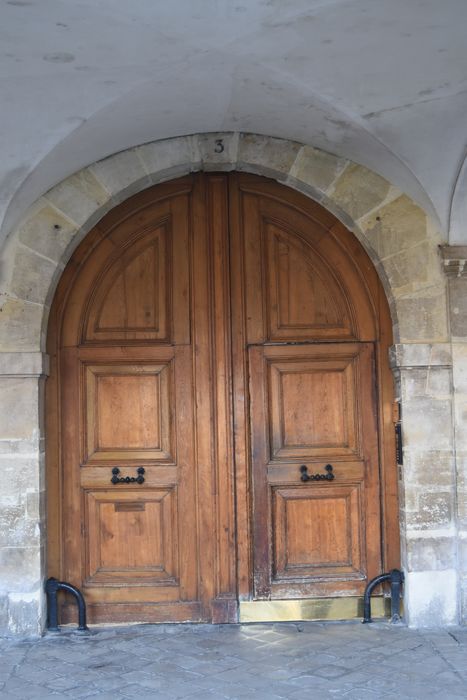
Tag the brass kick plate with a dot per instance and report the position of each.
(347, 608)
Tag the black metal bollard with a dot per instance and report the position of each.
(396, 579)
(52, 586)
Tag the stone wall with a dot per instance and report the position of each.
(22, 536)
(403, 245)
(423, 374)
(455, 262)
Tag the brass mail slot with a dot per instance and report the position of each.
(129, 507)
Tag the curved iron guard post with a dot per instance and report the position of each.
(52, 587)
(396, 579)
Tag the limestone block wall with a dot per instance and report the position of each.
(22, 536)
(404, 246)
(423, 374)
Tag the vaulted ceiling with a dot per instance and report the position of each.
(381, 82)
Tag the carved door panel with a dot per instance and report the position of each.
(312, 417)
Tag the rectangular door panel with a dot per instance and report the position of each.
(311, 406)
(133, 537)
(316, 532)
(129, 412)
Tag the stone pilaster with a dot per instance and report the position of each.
(423, 375)
(455, 266)
(22, 502)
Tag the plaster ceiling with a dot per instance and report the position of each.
(382, 82)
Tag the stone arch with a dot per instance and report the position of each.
(397, 234)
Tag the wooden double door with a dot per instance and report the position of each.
(218, 347)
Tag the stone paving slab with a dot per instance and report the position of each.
(260, 661)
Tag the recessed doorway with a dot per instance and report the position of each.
(219, 410)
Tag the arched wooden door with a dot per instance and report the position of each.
(214, 340)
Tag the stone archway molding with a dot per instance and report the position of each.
(398, 235)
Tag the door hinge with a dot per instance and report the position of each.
(396, 412)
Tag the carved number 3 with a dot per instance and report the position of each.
(219, 146)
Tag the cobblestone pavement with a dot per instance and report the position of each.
(300, 660)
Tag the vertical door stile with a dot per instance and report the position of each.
(70, 441)
(261, 506)
(224, 606)
(201, 352)
(240, 393)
